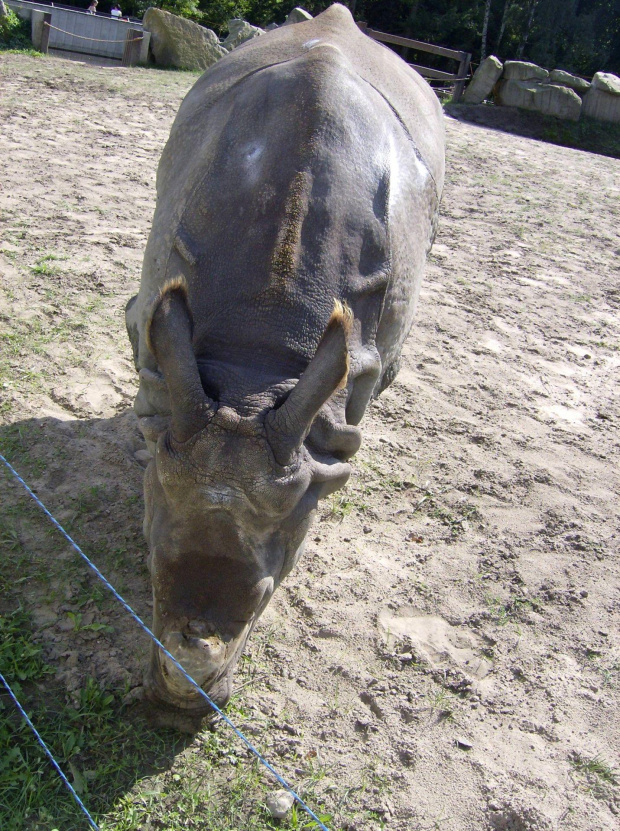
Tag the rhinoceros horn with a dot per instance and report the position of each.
(288, 425)
(169, 337)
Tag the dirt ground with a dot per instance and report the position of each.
(447, 653)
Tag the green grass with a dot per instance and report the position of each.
(99, 749)
(586, 134)
(15, 34)
(596, 767)
(126, 773)
(510, 611)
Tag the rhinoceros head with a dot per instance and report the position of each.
(229, 498)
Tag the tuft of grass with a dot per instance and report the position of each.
(45, 266)
(510, 611)
(597, 767)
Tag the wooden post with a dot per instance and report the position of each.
(45, 32)
(131, 52)
(461, 73)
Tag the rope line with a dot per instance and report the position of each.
(49, 753)
(156, 640)
(94, 40)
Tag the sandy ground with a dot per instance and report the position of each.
(447, 654)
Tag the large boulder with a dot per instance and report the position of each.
(238, 32)
(485, 78)
(564, 79)
(181, 43)
(602, 101)
(524, 71)
(297, 15)
(606, 82)
(546, 99)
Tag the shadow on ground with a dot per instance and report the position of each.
(71, 653)
(586, 134)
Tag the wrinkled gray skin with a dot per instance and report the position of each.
(304, 168)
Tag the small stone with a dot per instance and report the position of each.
(279, 803)
(142, 456)
(464, 744)
(367, 529)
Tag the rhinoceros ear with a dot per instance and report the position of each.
(169, 337)
(288, 426)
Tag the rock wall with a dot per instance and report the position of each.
(558, 93)
(181, 43)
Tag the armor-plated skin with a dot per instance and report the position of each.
(304, 168)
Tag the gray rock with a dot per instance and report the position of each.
(604, 106)
(143, 456)
(524, 71)
(485, 78)
(565, 79)
(298, 15)
(181, 43)
(238, 32)
(279, 803)
(606, 82)
(546, 99)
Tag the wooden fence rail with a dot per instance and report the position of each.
(463, 58)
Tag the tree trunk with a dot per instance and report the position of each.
(502, 26)
(485, 29)
(409, 28)
(2, 9)
(528, 27)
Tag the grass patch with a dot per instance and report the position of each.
(588, 134)
(511, 610)
(595, 767)
(97, 747)
(126, 773)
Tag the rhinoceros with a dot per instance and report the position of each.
(297, 199)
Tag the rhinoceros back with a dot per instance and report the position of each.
(305, 167)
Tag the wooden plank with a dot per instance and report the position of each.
(462, 73)
(427, 72)
(131, 52)
(414, 44)
(45, 32)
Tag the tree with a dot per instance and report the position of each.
(485, 28)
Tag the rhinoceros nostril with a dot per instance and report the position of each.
(198, 629)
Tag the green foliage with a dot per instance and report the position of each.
(14, 32)
(579, 36)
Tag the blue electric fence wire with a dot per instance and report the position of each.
(156, 640)
(48, 753)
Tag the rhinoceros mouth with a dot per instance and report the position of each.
(209, 661)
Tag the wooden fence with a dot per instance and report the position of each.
(463, 58)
